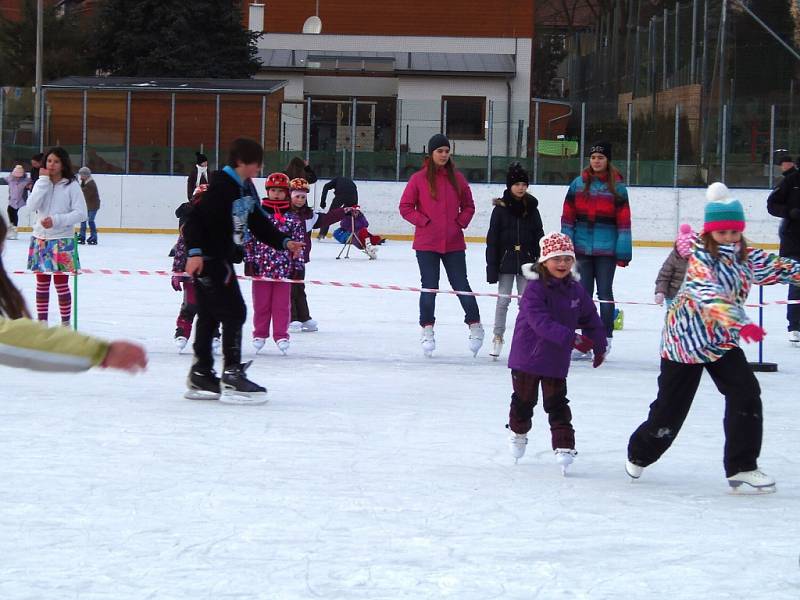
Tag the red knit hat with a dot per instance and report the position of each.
(555, 244)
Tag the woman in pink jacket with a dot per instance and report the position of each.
(438, 202)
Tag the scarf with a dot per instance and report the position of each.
(276, 206)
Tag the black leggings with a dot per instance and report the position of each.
(12, 216)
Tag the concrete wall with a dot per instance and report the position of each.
(148, 202)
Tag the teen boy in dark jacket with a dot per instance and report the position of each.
(214, 233)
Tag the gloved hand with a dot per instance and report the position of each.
(659, 298)
(598, 359)
(794, 213)
(582, 343)
(623, 263)
(752, 333)
(176, 283)
(323, 203)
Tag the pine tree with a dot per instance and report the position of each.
(174, 38)
(64, 47)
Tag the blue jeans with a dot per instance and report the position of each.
(600, 269)
(455, 265)
(793, 310)
(92, 227)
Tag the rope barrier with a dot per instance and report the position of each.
(358, 285)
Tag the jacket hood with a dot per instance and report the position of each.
(531, 274)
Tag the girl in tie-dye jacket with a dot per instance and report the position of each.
(703, 331)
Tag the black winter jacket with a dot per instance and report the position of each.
(513, 238)
(209, 225)
(784, 202)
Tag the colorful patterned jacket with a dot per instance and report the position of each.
(261, 260)
(598, 223)
(707, 315)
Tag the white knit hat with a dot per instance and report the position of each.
(555, 244)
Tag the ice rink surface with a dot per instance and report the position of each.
(373, 472)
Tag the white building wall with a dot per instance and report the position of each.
(148, 202)
(422, 95)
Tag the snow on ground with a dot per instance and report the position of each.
(373, 472)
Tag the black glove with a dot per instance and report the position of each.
(322, 203)
(794, 214)
(491, 275)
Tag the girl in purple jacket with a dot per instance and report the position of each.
(553, 306)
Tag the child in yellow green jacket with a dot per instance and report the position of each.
(31, 344)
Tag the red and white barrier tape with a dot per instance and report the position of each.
(368, 286)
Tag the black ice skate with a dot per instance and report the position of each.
(238, 389)
(203, 385)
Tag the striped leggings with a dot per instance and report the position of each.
(61, 282)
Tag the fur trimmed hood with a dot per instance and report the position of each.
(529, 272)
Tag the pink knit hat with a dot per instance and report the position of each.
(684, 241)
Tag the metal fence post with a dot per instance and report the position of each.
(263, 119)
(630, 143)
(398, 128)
(308, 129)
(724, 149)
(353, 138)
(444, 119)
(583, 134)
(42, 119)
(83, 126)
(2, 123)
(216, 131)
(693, 53)
(263, 128)
(676, 148)
(128, 133)
(172, 134)
(771, 161)
(490, 141)
(536, 143)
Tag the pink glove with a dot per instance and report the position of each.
(752, 333)
(176, 283)
(598, 359)
(582, 343)
(623, 263)
(659, 298)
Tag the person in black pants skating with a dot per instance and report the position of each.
(784, 202)
(345, 196)
(214, 233)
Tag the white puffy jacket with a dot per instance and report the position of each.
(63, 202)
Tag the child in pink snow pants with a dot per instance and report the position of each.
(272, 299)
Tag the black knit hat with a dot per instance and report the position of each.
(516, 174)
(782, 156)
(437, 141)
(601, 147)
(201, 158)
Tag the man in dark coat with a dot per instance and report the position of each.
(784, 202)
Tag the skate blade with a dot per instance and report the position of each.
(201, 395)
(563, 470)
(243, 398)
(748, 490)
(495, 356)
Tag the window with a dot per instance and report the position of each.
(465, 117)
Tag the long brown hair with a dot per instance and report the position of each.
(712, 246)
(613, 176)
(430, 171)
(67, 171)
(296, 168)
(12, 305)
